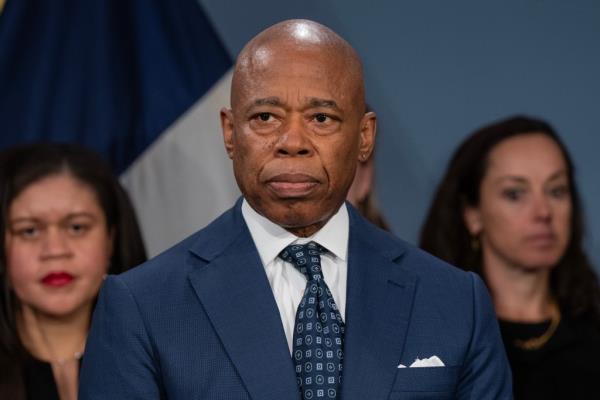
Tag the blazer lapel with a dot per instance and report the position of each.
(380, 295)
(234, 291)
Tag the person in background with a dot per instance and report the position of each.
(65, 222)
(508, 208)
(362, 191)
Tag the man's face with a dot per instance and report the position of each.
(295, 133)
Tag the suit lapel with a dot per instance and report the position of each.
(380, 295)
(234, 291)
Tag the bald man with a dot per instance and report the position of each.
(291, 294)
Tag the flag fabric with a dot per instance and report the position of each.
(139, 81)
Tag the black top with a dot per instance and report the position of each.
(39, 380)
(566, 367)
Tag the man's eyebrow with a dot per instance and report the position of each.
(313, 102)
(271, 101)
(316, 102)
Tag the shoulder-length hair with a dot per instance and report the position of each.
(444, 234)
(20, 167)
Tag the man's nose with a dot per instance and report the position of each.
(294, 140)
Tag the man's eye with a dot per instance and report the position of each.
(264, 117)
(264, 122)
(321, 118)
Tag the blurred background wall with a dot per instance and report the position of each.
(104, 72)
(436, 70)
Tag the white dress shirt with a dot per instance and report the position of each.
(286, 281)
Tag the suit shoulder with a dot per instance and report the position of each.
(429, 266)
(415, 260)
(429, 269)
(174, 261)
(419, 260)
(159, 267)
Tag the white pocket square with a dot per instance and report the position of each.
(433, 361)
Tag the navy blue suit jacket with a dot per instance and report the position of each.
(200, 322)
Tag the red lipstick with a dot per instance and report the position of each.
(57, 279)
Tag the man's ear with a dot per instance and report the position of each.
(472, 219)
(368, 130)
(227, 128)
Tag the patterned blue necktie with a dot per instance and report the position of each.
(319, 329)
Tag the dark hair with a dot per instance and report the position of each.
(572, 281)
(20, 167)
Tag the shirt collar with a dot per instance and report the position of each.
(271, 239)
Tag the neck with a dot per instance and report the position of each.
(54, 339)
(519, 294)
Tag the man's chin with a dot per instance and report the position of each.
(296, 215)
(300, 222)
(291, 221)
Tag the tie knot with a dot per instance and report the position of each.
(306, 258)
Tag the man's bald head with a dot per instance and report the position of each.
(297, 124)
(298, 38)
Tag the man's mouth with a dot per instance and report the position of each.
(292, 185)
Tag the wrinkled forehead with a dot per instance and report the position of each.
(291, 65)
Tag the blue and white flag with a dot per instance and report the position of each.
(141, 82)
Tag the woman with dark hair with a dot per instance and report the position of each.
(508, 208)
(65, 222)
